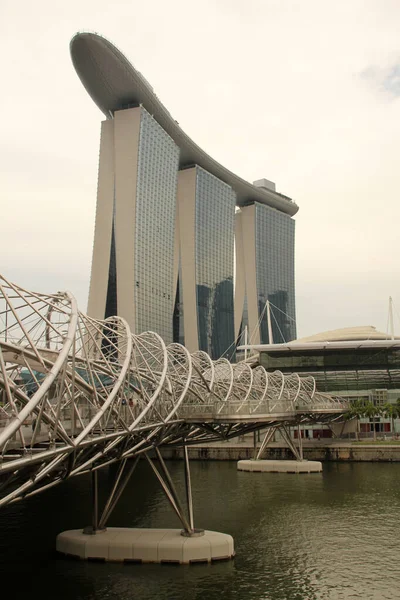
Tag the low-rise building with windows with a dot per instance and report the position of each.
(358, 363)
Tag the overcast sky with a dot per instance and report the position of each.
(305, 93)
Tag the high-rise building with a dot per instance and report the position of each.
(163, 255)
(265, 272)
(135, 223)
(206, 213)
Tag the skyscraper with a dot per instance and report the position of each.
(136, 202)
(265, 272)
(206, 212)
(163, 255)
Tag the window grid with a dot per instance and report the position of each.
(214, 235)
(155, 228)
(274, 246)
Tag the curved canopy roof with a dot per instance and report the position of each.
(348, 334)
(364, 336)
(114, 84)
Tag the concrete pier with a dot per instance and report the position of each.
(122, 544)
(280, 466)
(324, 450)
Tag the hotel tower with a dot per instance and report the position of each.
(173, 225)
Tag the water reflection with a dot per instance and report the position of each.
(322, 536)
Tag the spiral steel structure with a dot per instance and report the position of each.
(77, 394)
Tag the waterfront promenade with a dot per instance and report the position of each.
(328, 449)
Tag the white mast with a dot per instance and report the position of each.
(270, 337)
(391, 318)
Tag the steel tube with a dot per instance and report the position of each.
(167, 492)
(116, 494)
(188, 488)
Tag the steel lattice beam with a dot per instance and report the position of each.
(78, 393)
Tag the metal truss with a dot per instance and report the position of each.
(77, 393)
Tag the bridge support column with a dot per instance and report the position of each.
(123, 544)
(117, 490)
(95, 501)
(172, 496)
(99, 525)
(298, 452)
(188, 488)
(299, 465)
(267, 438)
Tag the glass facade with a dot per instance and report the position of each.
(155, 229)
(274, 246)
(214, 243)
(244, 324)
(178, 324)
(158, 304)
(111, 300)
(340, 370)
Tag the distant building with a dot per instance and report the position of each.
(265, 272)
(133, 255)
(355, 362)
(163, 255)
(206, 212)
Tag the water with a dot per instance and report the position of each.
(331, 536)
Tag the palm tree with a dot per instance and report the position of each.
(371, 411)
(390, 412)
(396, 415)
(355, 412)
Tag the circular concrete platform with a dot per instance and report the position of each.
(123, 544)
(280, 466)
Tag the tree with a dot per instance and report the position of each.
(371, 411)
(392, 412)
(396, 414)
(355, 412)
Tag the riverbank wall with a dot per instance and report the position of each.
(322, 451)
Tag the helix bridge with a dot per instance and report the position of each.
(78, 394)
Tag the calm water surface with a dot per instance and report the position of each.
(334, 535)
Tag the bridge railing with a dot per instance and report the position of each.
(218, 410)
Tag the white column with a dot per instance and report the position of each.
(103, 224)
(187, 214)
(249, 254)
(126, 149)
(240, 283)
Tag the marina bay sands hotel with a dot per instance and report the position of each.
(182, 246)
